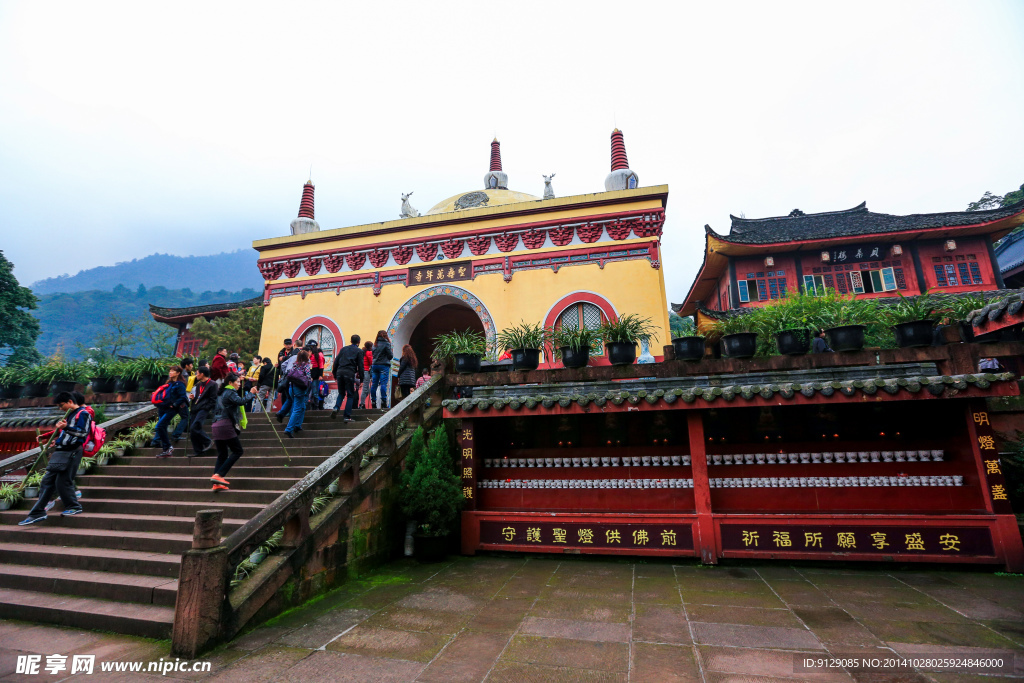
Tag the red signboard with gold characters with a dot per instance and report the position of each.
(880, 539)
(985, 436)
(585, 535)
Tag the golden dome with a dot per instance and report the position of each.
(476, 199)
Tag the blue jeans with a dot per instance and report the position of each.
(298, 400)
(286, 403)
(380, 379)
(182, 423)
(161, 428)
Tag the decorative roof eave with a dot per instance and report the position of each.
(189, 313)
(429, 221)
(850, 391)
(998, 315)
(706, 280)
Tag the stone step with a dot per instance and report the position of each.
(30, 552)
(145, 482)
(209, 462)
(150, 621)
(201, 494)
(45, 533)
(147, 590)
(240, 470)
(93, 518)
(294, 448)
(167, 508)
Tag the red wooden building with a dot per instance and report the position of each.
(855, 251)
(181, 319)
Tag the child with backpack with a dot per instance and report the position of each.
(169, 399)
(72, 432)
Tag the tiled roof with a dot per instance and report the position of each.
(1012, 304)
(201, 310)
(1010, 251)
(935, 384)
(798, 226)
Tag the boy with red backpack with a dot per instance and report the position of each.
(71, 435)
(169, 399)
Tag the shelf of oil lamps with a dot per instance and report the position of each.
(829, 457)
(585, 483)
(596, 461)
(831, 482)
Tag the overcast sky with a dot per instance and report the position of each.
(189, 128)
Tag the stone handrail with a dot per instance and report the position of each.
(26, 458)
(207, 610)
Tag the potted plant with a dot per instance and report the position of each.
(9, 496)
(913, 320)
(30, 485)
(103, 377)
(575, 345)
(120, 446)
(11, 381)
(128, 374)
(84, 465)
(431, 493)
(466, 348)
(64, 375)
(738, 338)
(957, 310)
(37, 382)
(844, 321)
(104, 455)
(525, 342)
(622, 333)
(152, 371)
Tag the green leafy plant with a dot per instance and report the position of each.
(10, 493)
(10, 376)
(128, 370)
(629, 328)
(120, 443)
(450, 344)
(431, 490)
(105, 370)
(912, 309)
(156, 367)
(100, 413)
(957, 308)
(523, 336)
(576, 338)
(33, 480)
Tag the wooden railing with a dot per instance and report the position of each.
(118, 424)
(208, 609)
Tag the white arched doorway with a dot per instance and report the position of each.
(434, 311)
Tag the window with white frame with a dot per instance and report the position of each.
(324, 339)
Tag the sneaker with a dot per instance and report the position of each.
(49, 506)
(290, 435)
(72, 512)
(78, 494)
(31, 520)
(219, 487)
(334, 414)
(166, 454)
(280, 419)
(298, 429)
(349, 419)
(220, 480)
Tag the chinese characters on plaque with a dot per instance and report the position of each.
(994, 482)
(669, 537)
(859, 252)
(441, 272)
(883, 540)
(467, 464)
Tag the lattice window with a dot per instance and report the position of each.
(901, 281)
(951, 275)
(585, 314)
(830, 282)
(965, 273)
(773, 288)
(975, 273)
(762, 290)
(324, 339)
(841, 283)
(782, 286)
(940, 276)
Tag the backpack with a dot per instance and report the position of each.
(160, 395)
(96, 438)
(296, 378)
(323, 389)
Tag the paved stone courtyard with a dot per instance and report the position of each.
(579, 619)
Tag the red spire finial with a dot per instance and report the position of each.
(306, 205)
(495, 155)
(618, 151)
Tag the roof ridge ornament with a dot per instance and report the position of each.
(621, 177)
(305, 221)
(495, 178)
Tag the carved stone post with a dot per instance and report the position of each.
(202, 587)
(296, 529)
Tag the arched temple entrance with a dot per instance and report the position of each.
(435, 311)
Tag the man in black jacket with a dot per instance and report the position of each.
(347, 365)
(203, 403)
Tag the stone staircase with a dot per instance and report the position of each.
(115, 567)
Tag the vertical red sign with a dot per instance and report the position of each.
(985, 445)
(468, 464)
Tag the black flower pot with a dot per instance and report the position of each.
(430, 548)
(740, 345)
(62, 385)
(795, 342)
(11, 390)
(688, 348)
(35, 389)
(525, 359)
(127, 385)
(150, 382)
(621, 353)
(914, 333)
(846, 337)
(575, 358)
(103, 385)
(466, 363)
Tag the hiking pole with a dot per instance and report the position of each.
(273, 428)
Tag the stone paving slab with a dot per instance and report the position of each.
(523, 619)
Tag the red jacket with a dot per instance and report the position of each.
(367, 360)
(219, 367)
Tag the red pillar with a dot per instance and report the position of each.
(705, 540)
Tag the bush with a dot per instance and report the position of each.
(431, 489)
(453, 343)
(523, 336)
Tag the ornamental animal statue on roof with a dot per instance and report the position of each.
(548, 192)
(407, 210)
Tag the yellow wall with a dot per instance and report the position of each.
(630, 286)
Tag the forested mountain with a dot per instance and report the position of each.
(71, 320)
(231, 272)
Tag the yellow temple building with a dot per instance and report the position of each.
(484, 259)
